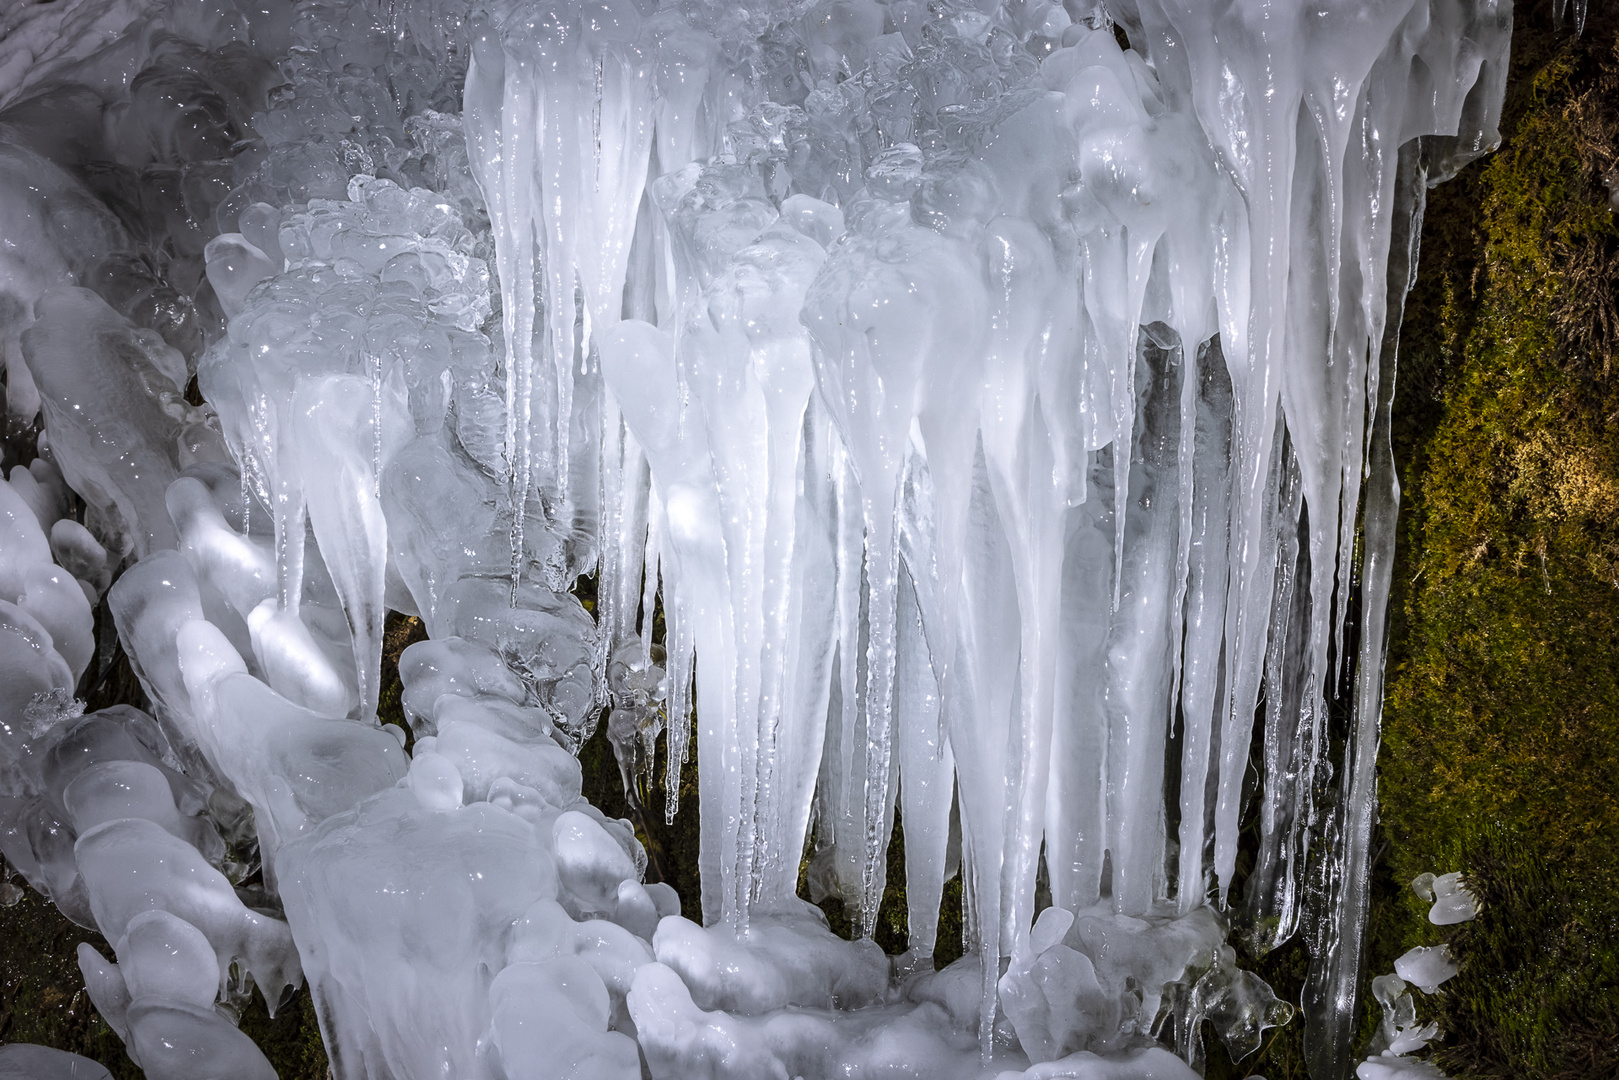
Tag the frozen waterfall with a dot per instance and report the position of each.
(973, 412)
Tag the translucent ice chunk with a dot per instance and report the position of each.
(134, 789)
(451, 665)
(1426, 966)
(1057, 1006)
(1391, 1067)
(1399, 1033)
(399, 902)
(434, 780)
(47, 501)
(779, 960)
(235, 265)
(78, 552)
(556, 1013)
(121, 737)
(132, 865)
(482, 756)
(166, 958)
(546, 931)
(23, 1061)
(113, 401)
(1453, 903)
(297, 767)
(192, 1044)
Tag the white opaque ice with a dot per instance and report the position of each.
(235, 265)
(132, 865)
(23, 1061)
(165, 958)
(551, 1018)
(1393, 1067)
(1426, 966)
(1453, 903)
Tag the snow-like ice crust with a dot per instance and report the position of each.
(992, 411)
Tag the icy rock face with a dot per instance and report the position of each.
(1063, 251)
(483, 860)
(987, 407)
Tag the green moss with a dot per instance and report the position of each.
(291, 1041)
(398, 634)
(1538, 990)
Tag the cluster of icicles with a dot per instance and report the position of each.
(996, 414)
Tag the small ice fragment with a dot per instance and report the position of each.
(1426, 966)
(1399, 1032)
(1422, 885)
(1388, 1067)
(1452, 902)
(1387, 990)
(1410, 1040)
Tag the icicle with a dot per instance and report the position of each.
(1208, 568)
(1338, 938)
(1139, 641)
(1076, 811)
(926, 762)
(1272, 886)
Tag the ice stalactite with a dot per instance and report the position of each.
(992, 402)
(558, 111)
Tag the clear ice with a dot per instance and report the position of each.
(992, 398)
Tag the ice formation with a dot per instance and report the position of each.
(1400, 1035)
(1452, 902)
(993, 400)
(20, 1061)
